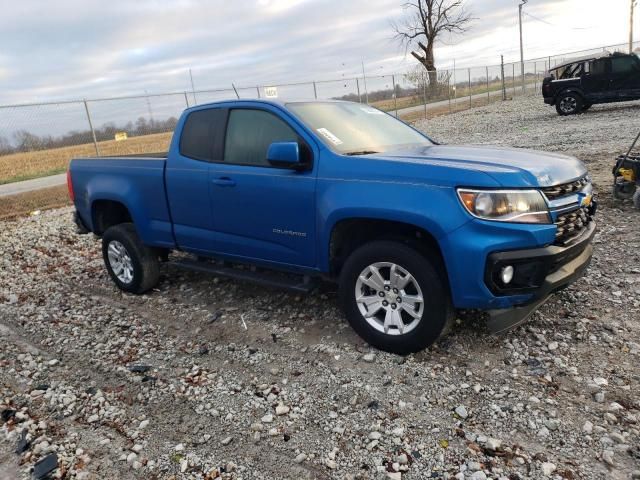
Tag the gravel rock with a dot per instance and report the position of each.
(461, 411)
(548, 468)
(369, 357)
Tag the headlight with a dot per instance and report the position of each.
(518, 206)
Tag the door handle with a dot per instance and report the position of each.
(224, 182)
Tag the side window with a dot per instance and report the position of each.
(202, 134)
(623, 65)
(249, 134)
(598, 67)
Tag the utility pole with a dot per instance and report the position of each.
(364, 77)
(521, 48)
(633, 4)
(149, 107)
(504, 89)
(193, 90)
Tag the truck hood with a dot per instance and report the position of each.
(509, 167)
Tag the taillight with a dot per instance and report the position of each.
(72, 195)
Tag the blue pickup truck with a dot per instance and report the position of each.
(286, 194)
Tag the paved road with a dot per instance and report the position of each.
(30, 185)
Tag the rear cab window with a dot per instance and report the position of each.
(202, 135)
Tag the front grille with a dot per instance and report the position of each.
(571, 225)
(566, 188)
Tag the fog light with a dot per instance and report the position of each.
(506, 274)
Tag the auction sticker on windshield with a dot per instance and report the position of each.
(330, 136)
(372, 111)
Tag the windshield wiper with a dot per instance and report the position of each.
(363, 152)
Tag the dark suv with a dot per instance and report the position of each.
(576, 85)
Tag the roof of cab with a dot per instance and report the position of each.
(269, 101)
(595, 56)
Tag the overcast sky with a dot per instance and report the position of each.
(68, 49)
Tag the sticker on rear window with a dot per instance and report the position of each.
(372, 111)
(330, 136)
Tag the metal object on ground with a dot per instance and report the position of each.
(45, 467)
(626, 175)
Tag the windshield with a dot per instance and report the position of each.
(354, 128)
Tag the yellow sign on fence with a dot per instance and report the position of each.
(120, 136)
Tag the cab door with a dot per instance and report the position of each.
(187, 177)
(595, 80)
(625, 77)
(262, 212)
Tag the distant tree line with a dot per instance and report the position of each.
(25, 141)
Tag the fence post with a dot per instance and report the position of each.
(258, 90)
(535, 76)
(455, 87)
(469, 73)
(513, 78)
(395, 100)
(449, 89)
(424, 94)
(186, 99)
(504, 86)
(488, 93)
(315, 90)
(93, 132)
(358, 88)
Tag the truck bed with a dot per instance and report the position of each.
(133, 180)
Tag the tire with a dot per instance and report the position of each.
(624, 191)
(636, 198)
(121, 247)
(414, 331)
(569, 104)
(586, 106)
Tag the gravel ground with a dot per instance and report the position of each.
(212, 378)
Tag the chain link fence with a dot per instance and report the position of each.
(40, 139)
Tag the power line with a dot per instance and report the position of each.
(553, 25)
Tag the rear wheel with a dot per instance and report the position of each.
(133, 266)
(569, 104)
(394, 298)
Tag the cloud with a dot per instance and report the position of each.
(77, 49)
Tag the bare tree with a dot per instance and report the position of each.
(426, 21)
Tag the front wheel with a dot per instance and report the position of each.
(569, 104)
(133, 266)
(394, 298)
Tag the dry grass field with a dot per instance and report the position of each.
(23, 166)
(25, 203)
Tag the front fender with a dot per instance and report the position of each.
(432, 208)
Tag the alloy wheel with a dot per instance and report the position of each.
(389, 298)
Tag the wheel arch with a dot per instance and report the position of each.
(566, 90)
(348, 234)
(106, 213)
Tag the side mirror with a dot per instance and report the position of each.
(284, 154)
